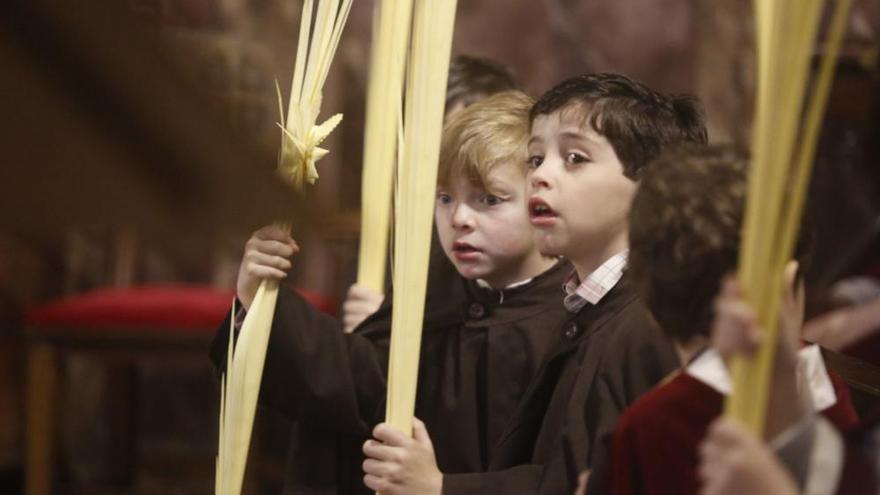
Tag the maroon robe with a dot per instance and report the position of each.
(655, 444)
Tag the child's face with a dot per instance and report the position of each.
(579, 197)
(487, 235)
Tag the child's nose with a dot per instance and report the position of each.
(539, 179)
(462, 217)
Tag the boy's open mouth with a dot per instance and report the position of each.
(540, 212)
(465, 252)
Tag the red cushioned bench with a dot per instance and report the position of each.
(117, 326)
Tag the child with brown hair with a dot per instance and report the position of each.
(684, 236)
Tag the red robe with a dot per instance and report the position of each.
(655, 443)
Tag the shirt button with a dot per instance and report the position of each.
(571, 330)
(476, 311)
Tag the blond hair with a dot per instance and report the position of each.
(489, 132)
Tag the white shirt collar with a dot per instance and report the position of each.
(596, 285)
(709, 368)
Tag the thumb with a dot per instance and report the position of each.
(420, 433)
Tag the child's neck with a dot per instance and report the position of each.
(688, 350)
(532, 265)
(586, 261)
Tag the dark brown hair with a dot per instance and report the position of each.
(684, 234)
(471, 79)
(637, 121)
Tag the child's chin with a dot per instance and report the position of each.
(548, 247)
(471, 271)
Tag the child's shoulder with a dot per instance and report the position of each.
(631, 330)
(681, 399)
(629, 339)
(621, 308)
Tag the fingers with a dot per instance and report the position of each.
(266, 256)
(379, 469)
(399, 464)
(265, 272)
(420, 433)
(712, 479)
(391, 436)
(274, 242)
(380, 452)
(735, 326)
(360, 303)
(726, 433)
(583, 479)
(271, 247)
(360, 307)
(716, 454)
(378, 484)
(259, 266)
(725, 443)
(350, 322)
(354, 313)
(268, 260)
(363, 293)
(273, 233)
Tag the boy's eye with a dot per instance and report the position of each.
(444, 198)
(535, 161)
(492, 200)
(576, 158)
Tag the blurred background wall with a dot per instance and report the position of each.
(139, 142)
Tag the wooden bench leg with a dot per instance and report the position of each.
(42, 386)
(122, 388)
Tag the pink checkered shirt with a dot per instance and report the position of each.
(596, 285)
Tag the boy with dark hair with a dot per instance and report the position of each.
(684, 236)
(637, 122)
(591, 136)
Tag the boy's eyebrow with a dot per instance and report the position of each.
(493, 185)
(568, 135)
(574, 135)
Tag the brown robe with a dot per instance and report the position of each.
(608, 355)
(480, 350)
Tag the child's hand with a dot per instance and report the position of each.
(733, 462)
(735, 330)
(266, 255)
(583, 479)
(735, 326)
(399, 465)
(360, 303)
